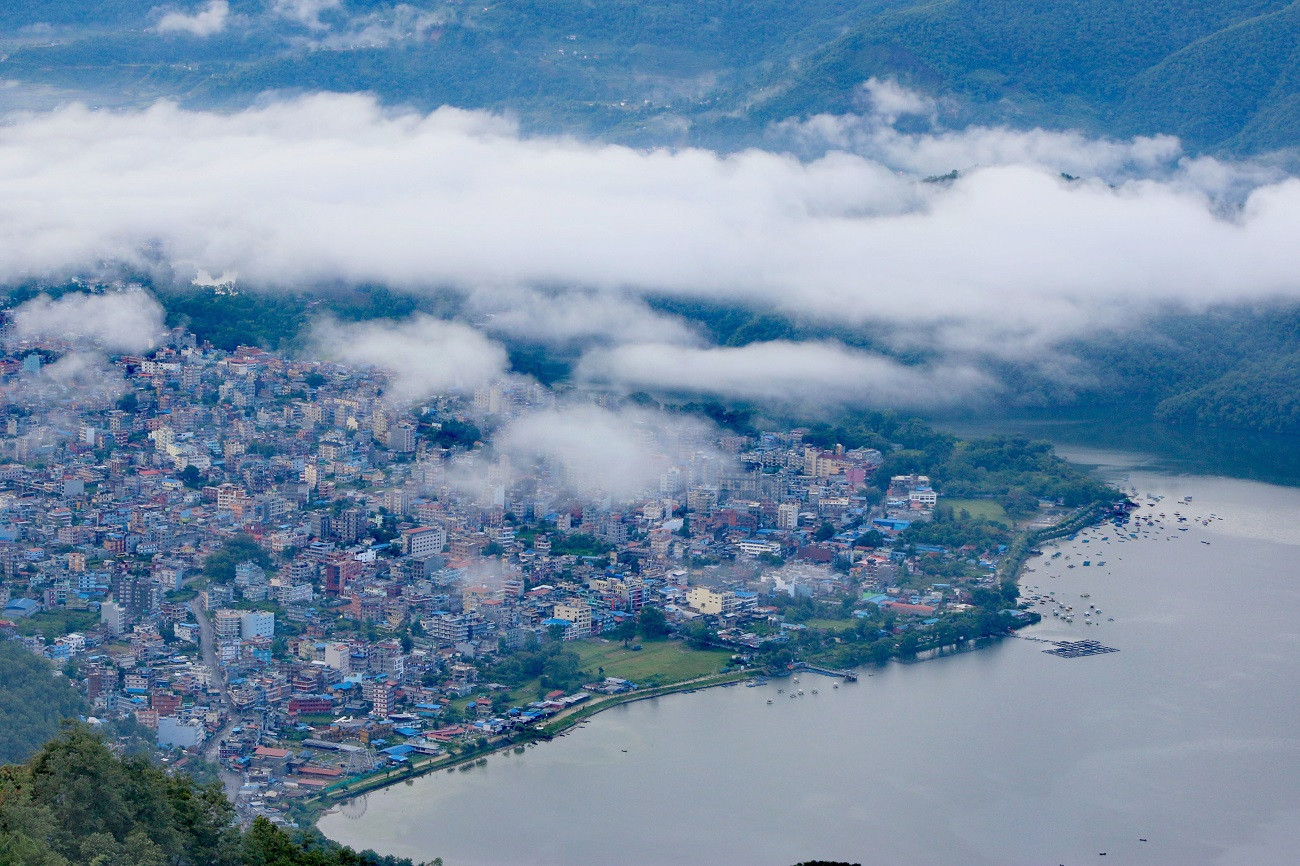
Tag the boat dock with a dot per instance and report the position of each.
(847, 676)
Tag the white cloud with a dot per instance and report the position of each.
(426, 356)
(76, 379)
(574, 316)
(1007, 259)
(400, 23)
(306, 12)
(117, 321)
(211, 19)
(804, 375)
(889, 100)
(621, 454)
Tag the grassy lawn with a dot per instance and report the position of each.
(830, 624)
(668, 661)
(979, 508)
(57, 623)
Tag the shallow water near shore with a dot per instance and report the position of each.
(1186, 737)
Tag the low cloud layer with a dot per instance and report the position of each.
(562, 241)
(206, 21)
(599, 451)
(425, 356)
(574, 317)
(799, 375)
(116, 321)
(79, 379)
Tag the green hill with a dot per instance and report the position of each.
(34, 698)
(75, 802)
(1260, 395)
(1222, 74)
(1218, 73)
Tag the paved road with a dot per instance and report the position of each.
(207, 643)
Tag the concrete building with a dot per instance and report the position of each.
(228, 623)
(423, 541)
(576, 612)
(256, 623)
(787, 516)
(706, 600)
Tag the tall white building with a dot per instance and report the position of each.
(787, 516)
(256, 623)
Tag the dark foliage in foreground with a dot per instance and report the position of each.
(76, 802)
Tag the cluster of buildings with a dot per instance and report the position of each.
(236, 546)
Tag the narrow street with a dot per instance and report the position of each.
(207, 644)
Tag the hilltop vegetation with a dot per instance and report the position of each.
(1258, 395)
(1218, 73)
(75, 802)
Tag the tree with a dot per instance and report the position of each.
(825, 532)
(625, 631)
(220, 565)
(873, 539)
(192, 478)
(698, 635)
(653, 623)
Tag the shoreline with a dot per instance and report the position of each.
(320, 804)
(561, 724)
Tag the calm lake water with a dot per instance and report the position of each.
(1187, 737)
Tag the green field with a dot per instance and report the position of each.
(979, 508)
(667, 661)
(660, 662)
(830, 624)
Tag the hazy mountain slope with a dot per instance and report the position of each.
(1201, 69)
(1251, 98)
(1258, 395)
(572, 64)
(1220, 73)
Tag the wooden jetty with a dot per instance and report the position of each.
(847, 676)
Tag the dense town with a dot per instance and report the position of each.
(266, 563)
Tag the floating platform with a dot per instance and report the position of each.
(1077, 649)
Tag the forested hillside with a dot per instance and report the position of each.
(1221, 74)
(75, 802)
(34, 698)
(1260, 395)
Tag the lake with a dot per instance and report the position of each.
(1187, 737)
